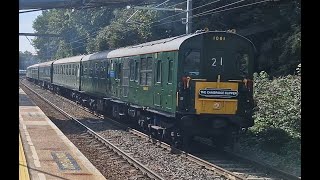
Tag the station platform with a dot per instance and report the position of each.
(45, 153)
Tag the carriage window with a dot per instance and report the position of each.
(102, 65)
(159, 69)
(111, 69)
(91, 69)
(106, 74)
(192, 63)
(136, 71)
(125, 77)
(149, 71)
(142, 71)
(131, 69)
(146, 71)
(119, 71)
(170, 74)
(242, 60)
(86, 69)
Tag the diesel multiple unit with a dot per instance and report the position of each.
(176, 88)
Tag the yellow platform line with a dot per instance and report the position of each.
(23, 170)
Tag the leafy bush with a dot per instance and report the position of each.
(276, 136)
(278, 104)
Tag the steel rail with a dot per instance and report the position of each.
(221, 171)
(131, 160)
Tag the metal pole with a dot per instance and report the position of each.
(189, 14)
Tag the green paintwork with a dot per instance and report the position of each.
(159, 96)
(67, 79)
(93, 82)
(45, 73)
(111, 77)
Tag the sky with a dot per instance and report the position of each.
(25, 26)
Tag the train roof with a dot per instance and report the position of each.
(33, 66)
(168, 44)
(162, 45)
(69, 60)
(45, 63)
(98, 55)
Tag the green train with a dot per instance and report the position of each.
(177, 88)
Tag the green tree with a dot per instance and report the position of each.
(26, 59)
(74, 27)
(274, 28)
(119, 31)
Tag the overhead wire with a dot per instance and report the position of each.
(212, 11)
(177, 4)
(183, 12)
(156, 21)
(201, 14)
(223, 6)
(95, 33)
(138, 10)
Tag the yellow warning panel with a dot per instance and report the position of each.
(216, 97)
(23, 169)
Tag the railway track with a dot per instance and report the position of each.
(224, 165)
(134, 169)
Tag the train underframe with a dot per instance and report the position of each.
(178, 131)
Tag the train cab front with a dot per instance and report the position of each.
(216, 90)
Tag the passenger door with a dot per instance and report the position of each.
(168, 81)
(125, 77)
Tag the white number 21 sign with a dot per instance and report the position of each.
(215, 61)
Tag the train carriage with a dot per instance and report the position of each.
(198, 84)
(66, 72)
(144, 75)
(32, 73)
(94, 74)
(45, 74)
